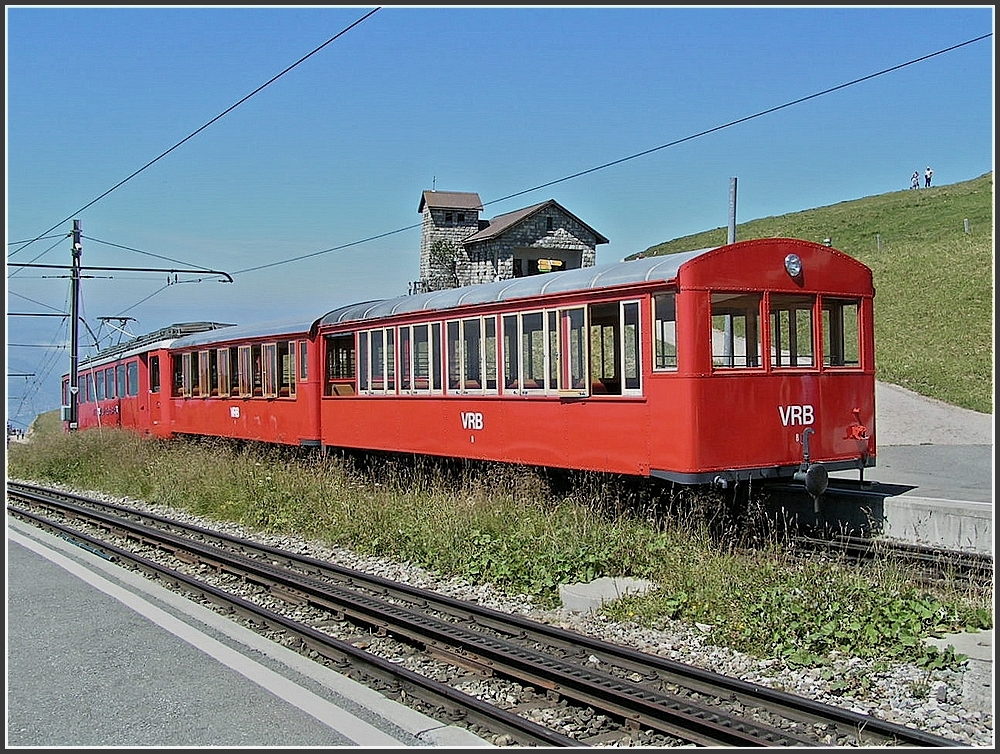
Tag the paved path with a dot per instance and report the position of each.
(903, 417)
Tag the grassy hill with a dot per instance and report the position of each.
(933, 281)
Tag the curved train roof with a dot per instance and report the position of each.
(245, 332)
(660, 268)
(157, 339)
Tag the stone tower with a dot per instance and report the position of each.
(449, 217)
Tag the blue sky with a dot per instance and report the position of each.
(495, 100)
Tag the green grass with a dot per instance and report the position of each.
(527, 533)
(933, 281)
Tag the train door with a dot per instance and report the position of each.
(134, 401)
(115, 390)
(156, 399)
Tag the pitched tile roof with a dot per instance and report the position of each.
(450, 200)
(501, 223)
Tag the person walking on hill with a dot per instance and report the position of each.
(915, 179)
(927, 177)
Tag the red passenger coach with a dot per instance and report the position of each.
(121, 386)
(749, 361)
(246, 382)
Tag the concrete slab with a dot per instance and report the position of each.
(588, 597)
(977, 645)
(977, 680)
(953, 524)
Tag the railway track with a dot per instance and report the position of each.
(456, 645)
(935, 563)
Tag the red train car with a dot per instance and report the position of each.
(257, 382)
(750, 361)
(120, 386)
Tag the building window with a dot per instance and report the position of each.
(548, 223)
(461, 217)
(447, 217)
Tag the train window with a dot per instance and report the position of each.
(454, 356)
(222, 378)
(99, 386)
(436, 354)
(792, 330)
(841, 333)
(605, 349)
(234, 371)
(405, 361)
(269, 370)
(552, 330)
(176, 375)
(630, 343)
(364, 365)
(122, 380)
(187, 383)
(132, 378)
(390, 359)
(511, 350)
(423, 379)
(573, 348)
(245, 371)
(615, 362)
(213, 373)
(194, 381)
(303, 361)
(203, 383)
(257, 370)
(533, 347)
(377, 348)
(286, 369)
(664, 332)
(472, 356)
(340, 364)
(736, 330)
(154, 374)
(490, 353)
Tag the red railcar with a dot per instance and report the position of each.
(753, 360)
(750, 361)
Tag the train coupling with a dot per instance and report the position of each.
(813, 476)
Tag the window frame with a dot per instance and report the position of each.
(660, 355)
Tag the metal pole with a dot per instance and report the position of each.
(74, 387)
(732, 209)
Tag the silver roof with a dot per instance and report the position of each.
(651, 269)
(287, 327)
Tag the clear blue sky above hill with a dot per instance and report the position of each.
(495, 100)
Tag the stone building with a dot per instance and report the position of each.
(458, 248)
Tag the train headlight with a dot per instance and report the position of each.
(793, 265)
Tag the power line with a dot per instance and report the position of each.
(147, 253)
(199, 130)
(637, 154)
